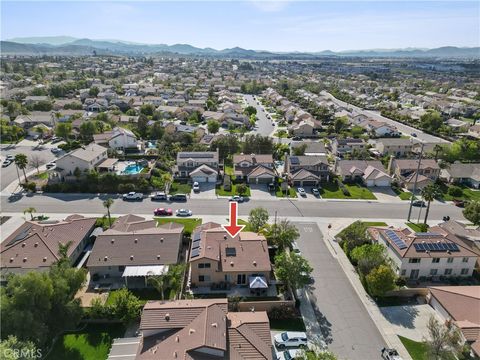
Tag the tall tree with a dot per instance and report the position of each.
(472, 212)
(258, 218)
(292, 269)
(443, 342)
(63, 130)
(36, 161)
(380, 280)
(429, 193)
(213, 126)
(30, 211)
(282, 234)
(106, 204)
(21, 161)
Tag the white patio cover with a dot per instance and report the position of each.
(257, 282)
(145, 270)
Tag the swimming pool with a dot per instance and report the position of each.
(132, 169)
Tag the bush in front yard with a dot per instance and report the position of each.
(455, 191)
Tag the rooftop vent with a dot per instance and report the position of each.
(254, 263)
(231, 263)
(214, 325)
(167, 316)
(23, 244)
(161, 240)
(158, 257)
(105, 258)
(36, 244)
(45, 259)
(177, 339)
(131, 257)
(135, 241)
(11, 259)
(224, 237)
(112, 241)
(191, 331)
(24, 259)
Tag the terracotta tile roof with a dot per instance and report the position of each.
(261, 170)
(35, 243)
(133, 241)
(182, 329)
(254, 159)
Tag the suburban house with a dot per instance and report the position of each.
(470, 234)
(311, 147)
(30, 100)
(432, 255)
(198, 329)
(474, 131)
(253, 168)
(370, 172)
(459, 306)
(307, 170)
(198, 166)
(397, 146)
(405, 170)
(465, 174)
(304, 128)
(134, 249)
(341, 147)
(379, 128)
(118, 139)
(216, 258)
(35, 244)
(35, 118)
(86, 158)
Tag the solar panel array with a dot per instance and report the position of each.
(294, 160)
(196, 155)
(22, 235)
(396, 240)
(426, 234)
(196, 244)
(195, 252)
(438, 247)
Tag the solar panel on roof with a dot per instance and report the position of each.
(396, 240)
(196, 236)
(452, 247)
(196, 245)
(196, 155)
(195, 252)
(294, 160)
(426, 234)
(419, 247)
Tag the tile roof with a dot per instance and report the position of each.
(35, 244)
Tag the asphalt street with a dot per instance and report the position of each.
(264, 125)
(345, 324)
(91, 203)
(405, 129)
(9, 174)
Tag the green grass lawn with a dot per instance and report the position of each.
(330, 190)
(281, 134)
(467, 194)
(228, 170)
(375, 223)
(189, 224)
(403, 195)
(295, 324)
(42, 175)
(103, 222)
(417, 350)
(417, 227)
(91, 343)
(220, 191)
(291, 193)
(143, 294)
(177, 188)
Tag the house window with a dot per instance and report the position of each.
(204, 266)
(241, 279)
(464, 271)
(465, 259)
(450, 260)
(121, 268)
(435, 260)
(203, 278)
(448, 272)
(403, 272)
(433, 272)
(414, 260)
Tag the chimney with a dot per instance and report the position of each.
(390, 165)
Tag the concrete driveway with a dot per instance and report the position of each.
(345, 324)
(384, 193)
(207, 191)
(260, 192)
(409, 321)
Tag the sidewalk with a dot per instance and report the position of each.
(312, 327)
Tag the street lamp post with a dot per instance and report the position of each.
(415, 183)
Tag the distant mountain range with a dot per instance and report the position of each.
(66, 45)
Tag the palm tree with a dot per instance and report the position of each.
(282, 234)
(159, 283)
(63, 252)
(21, 161)
(30, 211)
(167, 180)
(106, 204)
(175, 277)
(429, 193)
(437, 148)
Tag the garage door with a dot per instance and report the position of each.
(266, 180)
(383, 183)
(309, 183)
(297, 183)
(200, 179)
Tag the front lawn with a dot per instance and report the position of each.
(189, 224)
(220, 191)
(177, 188)
(295, 324)
(291, 193)
(281, 134)
(417, 227)
(403, 195)
(91, 343)
(417, 350)
(331, 190)
(228, 170)
(467, 193)
(375, 223)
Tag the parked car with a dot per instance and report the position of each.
(290, 339)
(301, 192)
(178, 197)
(295, 247)
(6, 163)
(315, 192)
(296, 138)
(55, 150)
(36, 137)
(10, 157)
(414, 134)
(159, 196)
(51, 165)
(132, 196)
(236, 198)
(183, 212)
(196, 187)
(390, 354)
(162, 212)
(291, 354)
(56, 139)
(419, 203)
(459, 203)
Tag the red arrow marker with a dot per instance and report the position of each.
(233, 228)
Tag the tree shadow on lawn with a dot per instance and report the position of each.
(401, 315)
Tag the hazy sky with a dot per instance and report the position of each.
(259, 25)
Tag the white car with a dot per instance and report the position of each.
(295, 248)
(55, 150)
(390, 354)
(10, 157)
(6, 162)
(183, 212)
(133, 196)
(51, 165)
(289, 339)
(291, 354)
(196, 187)
(302, 192)
(236, 198)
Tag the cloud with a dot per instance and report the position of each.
(269, 5)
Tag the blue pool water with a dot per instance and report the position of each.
(132, 169)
